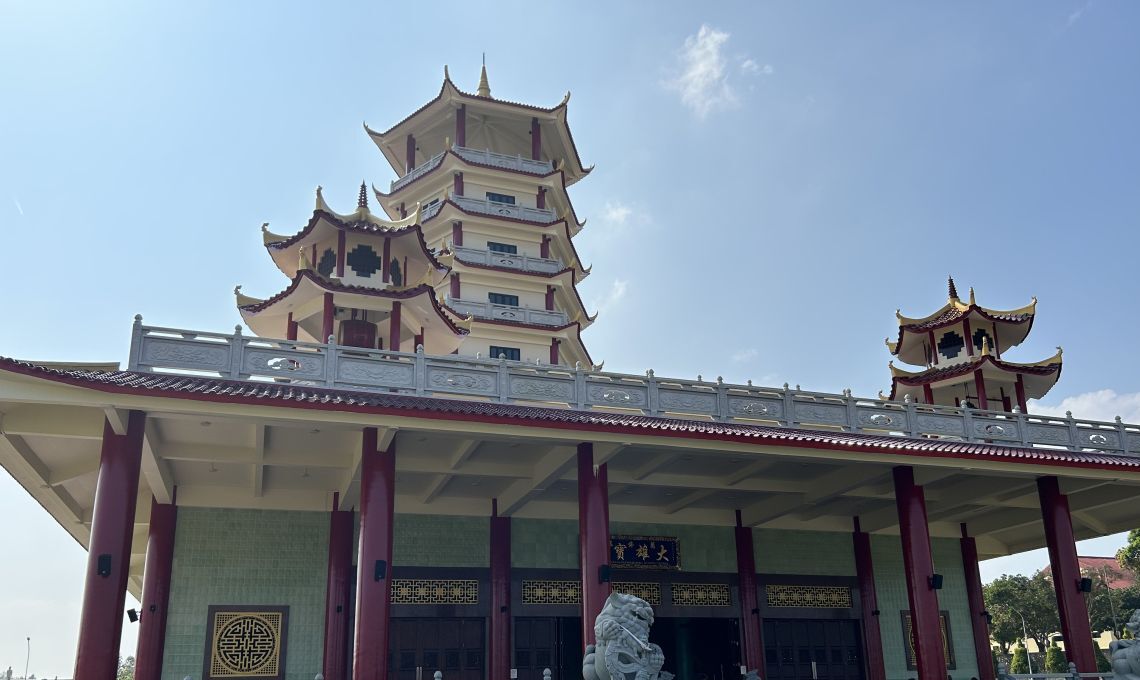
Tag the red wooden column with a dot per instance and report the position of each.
(535, 139)
(394, 328)
(156, 590)
(969, 339)
(457, 233)
(341, 246)
(337, 590)
(549, 298)
(540, 198)
(109, 551)
(927, 393)
(374, 578)
(919, 567)
(869, 604)
(500, 633)
(1019, 391)
(752, 634)
(456, 288)
(980, 626)
(410, 153)
(457, 183)
(544, 249)
(461, 125)
(290, 328)
(593, 538)
(1066, 574)
(327, 318)
(980, 386)
(386, 263)
(554, 358)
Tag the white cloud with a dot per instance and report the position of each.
(702, 74)
(1100, 405)
(744, 355)
(616, 213)
(18, 206)
(612, 297)
(1076, 15)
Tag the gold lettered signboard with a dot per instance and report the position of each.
(653, 552)
(947, 641)
(246, 641)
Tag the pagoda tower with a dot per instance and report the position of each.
(472, 254)
(961, 347)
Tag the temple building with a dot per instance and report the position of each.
(960, 347)
(406, 462)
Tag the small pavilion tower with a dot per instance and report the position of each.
(961, 347)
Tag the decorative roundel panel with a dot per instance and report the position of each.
(246, 642)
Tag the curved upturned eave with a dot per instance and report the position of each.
(449, 91)
(1048, 367)
(280, 248)
(332, 287)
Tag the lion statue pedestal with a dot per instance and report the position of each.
(1125, 654)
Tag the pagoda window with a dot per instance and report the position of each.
(508, 248)
(981, 335)
(951, 345)
(364, 261)
(510, 353)
(503, 299)
(327, 263)
(500, 198)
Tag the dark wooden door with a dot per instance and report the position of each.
(453, 646)
(547, 642)
(799, 649)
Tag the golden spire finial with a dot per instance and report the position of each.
(972, 295)
(985, 345)
(484, 87)
(303, 262)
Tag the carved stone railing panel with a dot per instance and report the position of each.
(417, 172)
(488, 207)
(239, 357)
(502, 160)
(524, 263)
(487, 310)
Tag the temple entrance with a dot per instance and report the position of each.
(699, 649)
(421, 646)
(804, 649)
(548, 642)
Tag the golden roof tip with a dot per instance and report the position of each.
(303, 262)
(972, 295)
(985, 345)
(484, 87)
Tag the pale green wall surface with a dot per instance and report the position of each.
(890, 587)
(810, 553)
(441, 541)
(553, 544)
(254, 557)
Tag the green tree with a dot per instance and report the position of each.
(1055, 661)
(1020, 663)
(1109, 608)
(1128, 557)
(1009, 598)
(126, 669)
(1102, 663)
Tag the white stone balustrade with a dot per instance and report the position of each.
(240, 357)
(489, 207)
(520, 262)
(480, 156)
(488, 310)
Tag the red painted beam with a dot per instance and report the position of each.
(109, 551)
(500, 633)
(156, 590)
(981, 628)
(374, 578)
(1066, 573)
(594, 538)
(918, 567)
(750, 630)
(337, 590)
(869, 605)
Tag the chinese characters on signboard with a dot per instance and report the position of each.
(655, 552)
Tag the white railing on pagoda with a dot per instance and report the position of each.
(240, 357)
(488, 310)
(523, 262)
(489, 207)
(481, 156)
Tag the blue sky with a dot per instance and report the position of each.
(772, 182)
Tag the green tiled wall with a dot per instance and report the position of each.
(553, 544)
(544, 543)
(890, 587)
(247, 557)
(441, 541)
(811, 553)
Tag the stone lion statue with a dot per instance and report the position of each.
(1126, 653)
(623, 650)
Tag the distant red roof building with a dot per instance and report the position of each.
(1105, 567)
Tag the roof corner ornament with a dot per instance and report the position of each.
(953, 290)
(320, 204)
(972, 296)
(303, 262)
(362, 198)
(446, 75)
(985, 343)
(566, 99)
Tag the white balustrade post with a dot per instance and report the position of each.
(1122, 434)
(1074, 437)
(504, 380)
(911, 416)
(237, 343)
(852, 417)
(419, 370)
(330, 361)
(438, 675)
(546, 674)
(721, 400)
(136, 344)
(579, 386)
(789, 406)
(1022, 425)
(967, 423)
(653, 394)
